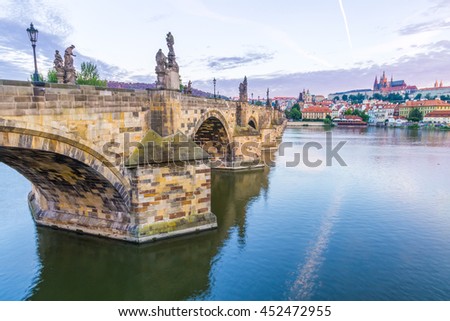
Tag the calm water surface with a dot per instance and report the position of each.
(376, 229)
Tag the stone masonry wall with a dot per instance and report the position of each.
(170, 199)
(94, 115)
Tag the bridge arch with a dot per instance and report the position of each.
(69, 178)
(212, 133)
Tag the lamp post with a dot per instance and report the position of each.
(33, 35)
(214, 82)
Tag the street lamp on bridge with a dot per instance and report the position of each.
(33, 35)
(214, 82)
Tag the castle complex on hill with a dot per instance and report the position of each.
(391, 86)
(385, 87)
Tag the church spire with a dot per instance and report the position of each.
(375, 84)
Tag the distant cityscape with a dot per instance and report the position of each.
(385, 87)
(389, 102)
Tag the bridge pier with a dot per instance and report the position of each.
(166, 200)
(171, 199)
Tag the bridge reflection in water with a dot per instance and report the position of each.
(88, 268)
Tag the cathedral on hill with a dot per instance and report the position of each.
(388, 86)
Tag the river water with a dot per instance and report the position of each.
(375, 229)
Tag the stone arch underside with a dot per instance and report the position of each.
(213, 137)
(72, 189)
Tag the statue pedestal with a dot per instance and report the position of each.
(161, 79)
(70, 76)
(168, 79)
(173, 80)
(60, 77)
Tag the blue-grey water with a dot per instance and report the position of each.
(376, 229)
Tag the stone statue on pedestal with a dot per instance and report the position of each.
(268, 99)
(189, 88)
(171, 64)
(69, 70)
(161, 70)
(167, 69)
(58, 65)
(243, 96)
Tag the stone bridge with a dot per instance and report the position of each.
(133, 165)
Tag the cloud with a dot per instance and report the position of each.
(234, 62)
(16, 58)
(443, 45)
(16, 55)
(439, 5)
(158, 18)
(424, 27)
(45, 17)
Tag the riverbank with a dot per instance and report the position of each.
(297, 124)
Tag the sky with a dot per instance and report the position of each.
(286, 45)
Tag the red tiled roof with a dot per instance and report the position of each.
(317, 109)
(425, 103)
(438, 113)
(397, 88)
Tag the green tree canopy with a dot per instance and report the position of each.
(89, 75)
(395, 98)
(378, 96)
(51, 76)
(356, 99)
(359, 113)
(445, 98)
(296, 114)
(327, 120)
(415, 115)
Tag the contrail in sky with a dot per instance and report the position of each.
(346, 24)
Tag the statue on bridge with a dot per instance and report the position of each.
(268, 104)
(172, 64)
(189, 88)
(167, 69)
(161, 61)
(69, 70)
(243, 96)
(161, 69)
(58, 65)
